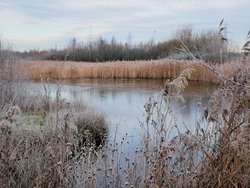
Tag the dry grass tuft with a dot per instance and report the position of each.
(177, 85)
(92, 127)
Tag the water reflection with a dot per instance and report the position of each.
(123, 100)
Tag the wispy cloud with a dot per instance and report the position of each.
(63, 19)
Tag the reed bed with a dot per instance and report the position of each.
(155, 69)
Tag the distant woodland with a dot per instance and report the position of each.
(206, 45)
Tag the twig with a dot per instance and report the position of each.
(186, 50)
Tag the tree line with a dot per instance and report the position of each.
(206, 45)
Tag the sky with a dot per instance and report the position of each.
(46, 24)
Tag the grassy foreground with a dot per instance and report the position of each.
(164, 69)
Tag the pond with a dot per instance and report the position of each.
(122, 100)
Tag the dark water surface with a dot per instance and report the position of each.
(122, 100)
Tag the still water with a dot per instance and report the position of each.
(122, 100)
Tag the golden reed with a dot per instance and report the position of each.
(155, 69)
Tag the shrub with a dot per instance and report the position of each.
(92, 127)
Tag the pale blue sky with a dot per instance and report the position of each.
(40, 24)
